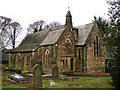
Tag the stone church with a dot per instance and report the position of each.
(78, 49)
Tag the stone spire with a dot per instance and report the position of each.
(68, 19)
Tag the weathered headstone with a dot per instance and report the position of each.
(55, 72)
(37, 76)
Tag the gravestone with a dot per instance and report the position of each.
(37, 76)
(55, 72)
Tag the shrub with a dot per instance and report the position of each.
(13, 69)
(68, 73)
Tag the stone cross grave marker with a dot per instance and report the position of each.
(37, 76)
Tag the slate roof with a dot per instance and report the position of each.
(51, 36)
(25, 48)
(35, 38)
(45, 37)
(83, 33)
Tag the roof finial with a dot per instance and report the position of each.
(68, 5)
(68, 8)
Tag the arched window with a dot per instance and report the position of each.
(68, 45)
(47, 60)
(97, 47)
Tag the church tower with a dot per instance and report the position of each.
(68, 19)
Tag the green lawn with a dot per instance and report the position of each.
(81, 82)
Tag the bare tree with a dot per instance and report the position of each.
(36, 26)
(52, 24)
(4, 41)
(9, 32)
(13, 32)
(4, 21)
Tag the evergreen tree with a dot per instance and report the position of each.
(114, 14)
(103, 25)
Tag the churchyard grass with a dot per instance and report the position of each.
(81, 82)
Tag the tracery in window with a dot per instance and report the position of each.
(68, 45)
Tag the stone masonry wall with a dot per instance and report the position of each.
(95, 59)
(64, 53)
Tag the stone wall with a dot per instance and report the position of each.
(95, 51)
(81, 59)
(23, 61)
(78, 59)
(91, 57)
(66, 50)
(95, 63)
(46, 57)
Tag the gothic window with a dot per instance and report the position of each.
(63, 61)
(99, 46)
(47, 62)
(68, 45)
(94, 50)
(66, 62)
(96, 47)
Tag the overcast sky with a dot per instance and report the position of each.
(29, 11)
